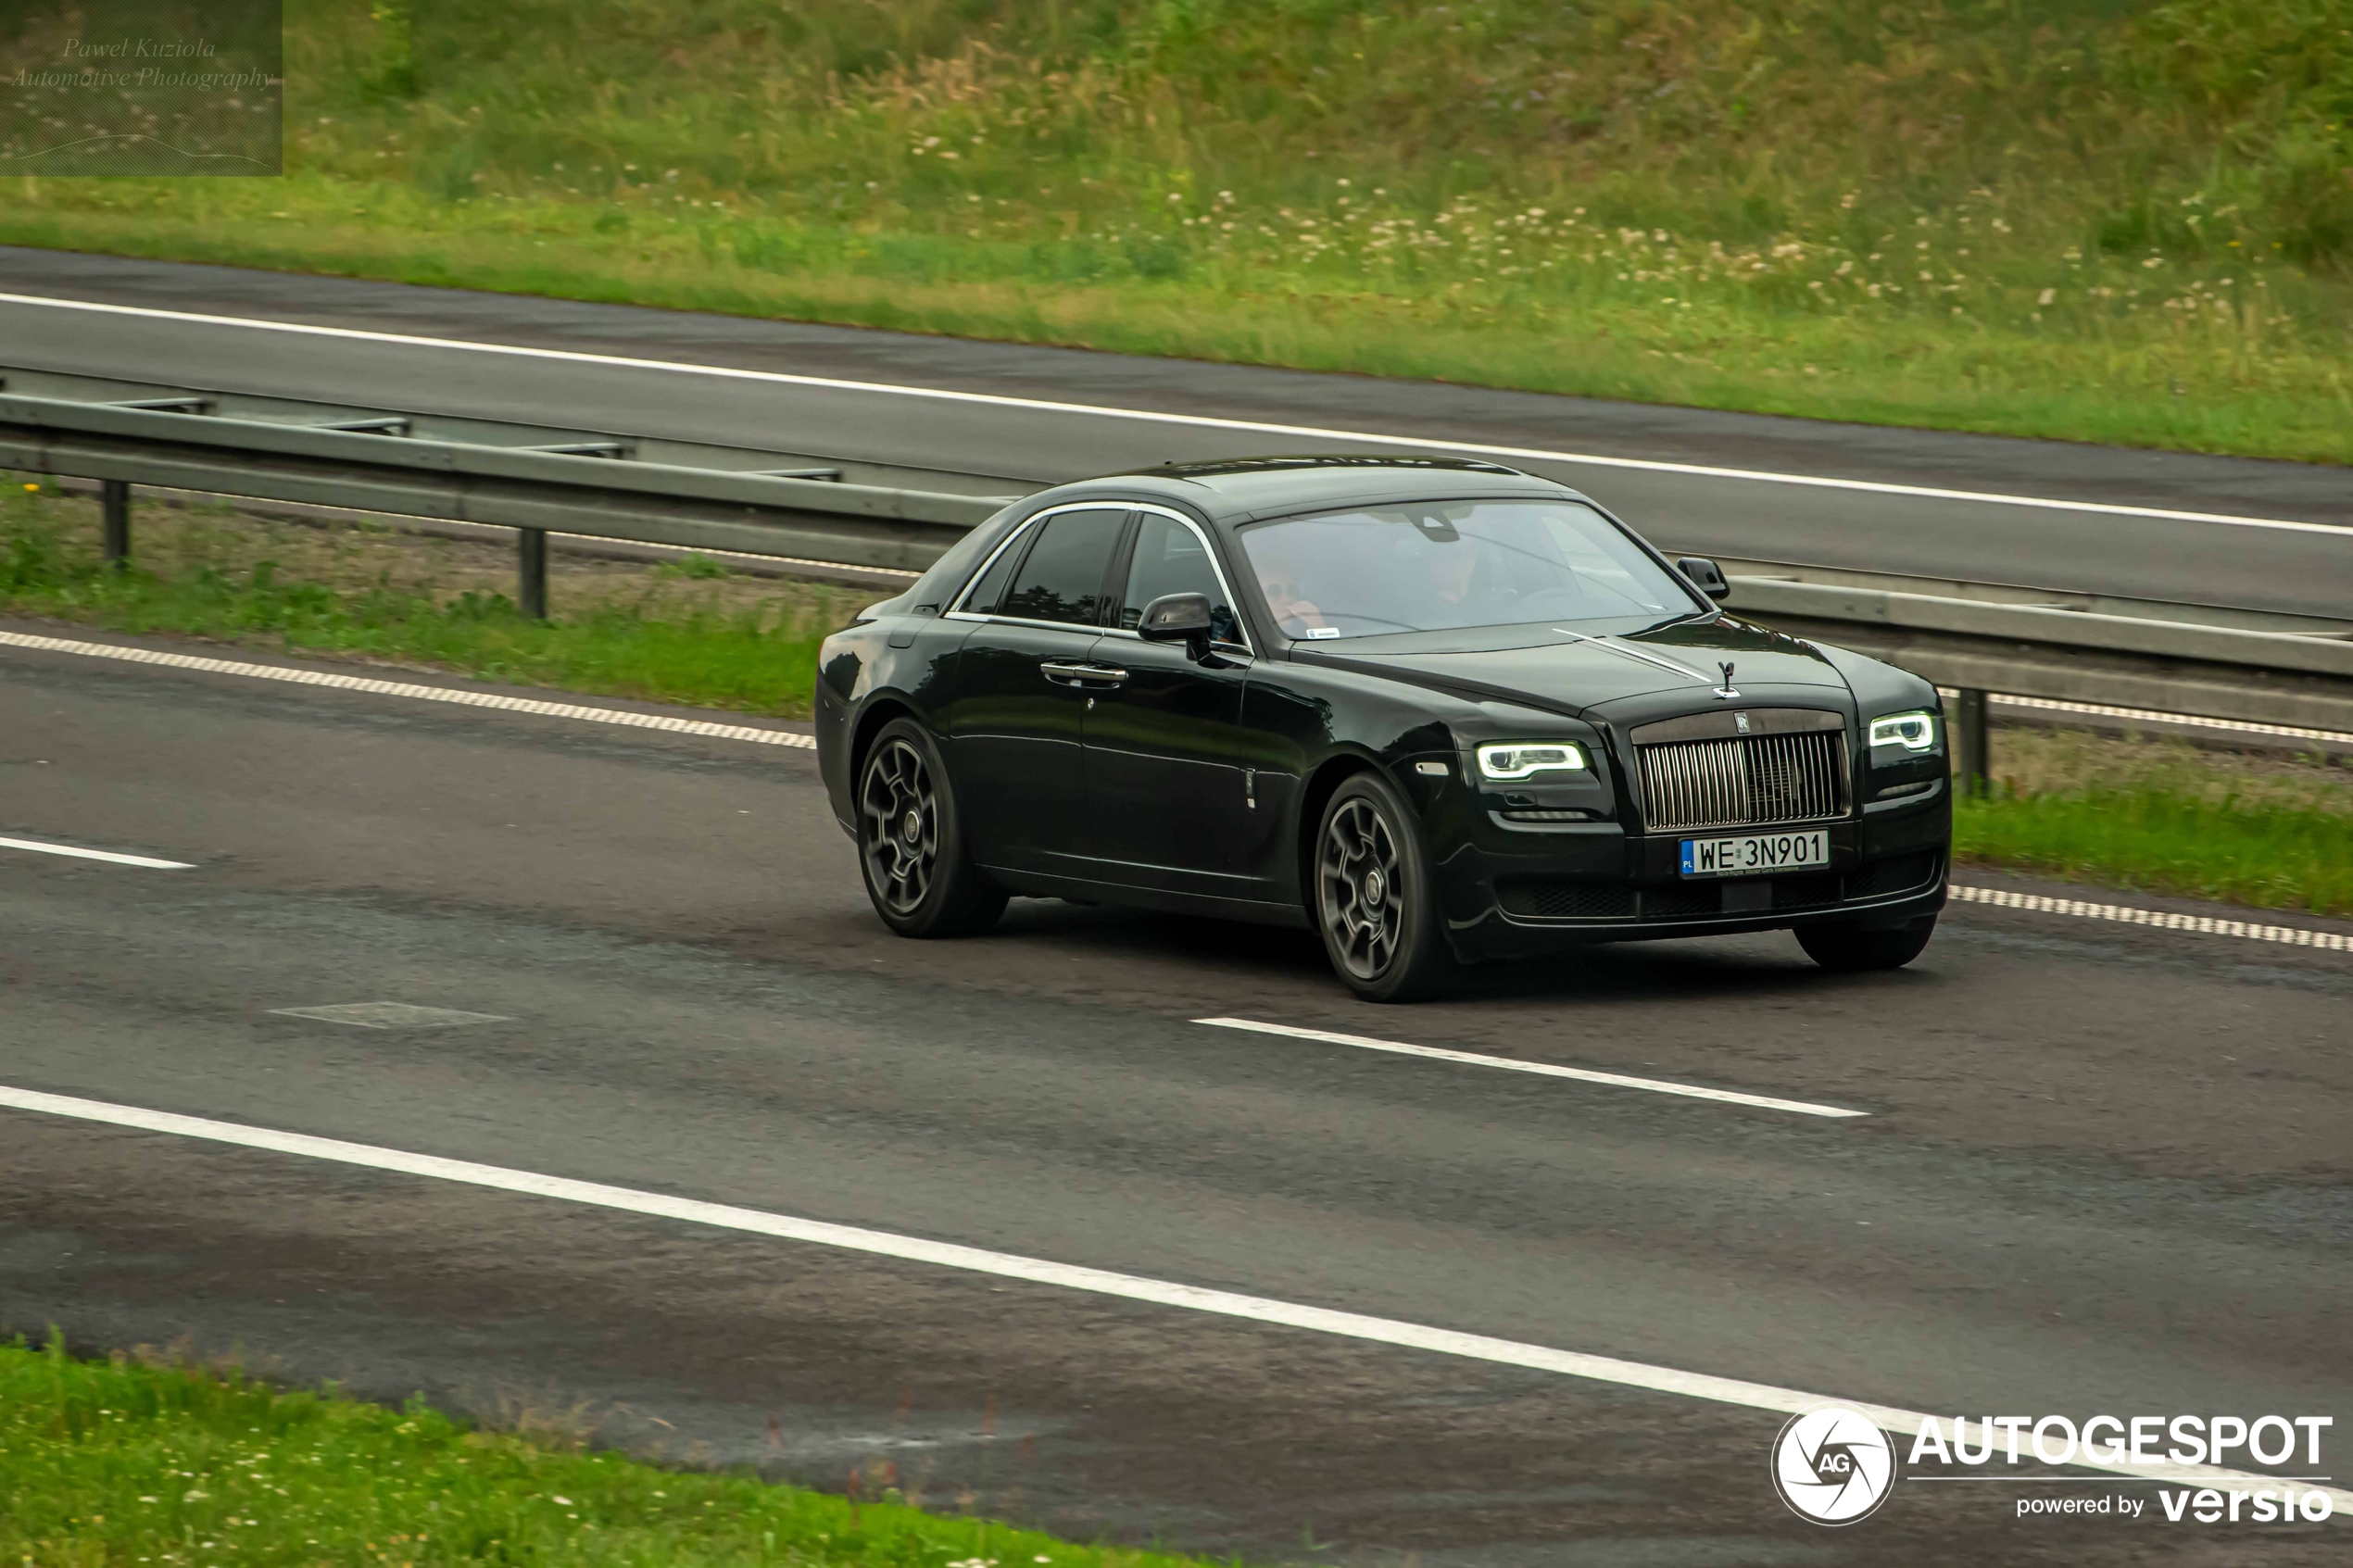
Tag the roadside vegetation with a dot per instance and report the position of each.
(2169, 817)
(152, 1458)
(2155, 814)
(2122, 220)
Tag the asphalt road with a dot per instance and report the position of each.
(2103, 1169)
(1088, 433)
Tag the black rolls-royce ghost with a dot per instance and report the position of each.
(1438, 710)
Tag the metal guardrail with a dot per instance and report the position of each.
(2209, 662)
(2300, 673)
(535, 480)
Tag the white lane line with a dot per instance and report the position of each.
(392, 1015)
(39, 847)
(1039, 1270)
(1545, 1069)
(2162, 920)
(2155, 716)
(416, 693)
(1199, 421)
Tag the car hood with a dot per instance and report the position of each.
(1569, 670)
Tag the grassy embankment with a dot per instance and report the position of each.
(2166, 817)
(2125, 222)
(146, 1461)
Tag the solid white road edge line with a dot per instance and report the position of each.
(2162, 920)
(1618, 1080)
(39, 847)
(1202, 422)
(408, 689)
(1037, 1271)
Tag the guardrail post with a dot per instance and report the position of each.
(531, 572)
(1969, 759)
(114, 506)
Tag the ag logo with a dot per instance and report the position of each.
(1833, 1466)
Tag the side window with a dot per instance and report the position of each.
(1170, 558)
(983, 599)
(1062, 578)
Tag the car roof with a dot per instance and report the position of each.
(1243, 488)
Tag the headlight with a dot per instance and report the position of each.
(1913, 731)
(1517, 760)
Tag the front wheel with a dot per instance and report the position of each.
(919, 870)
(1852, 948)
(1375, 903)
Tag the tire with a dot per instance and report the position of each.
(1854, 948)
(918, 869)
(1373, 900)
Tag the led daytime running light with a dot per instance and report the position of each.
(1506, 761)
(1913, 731)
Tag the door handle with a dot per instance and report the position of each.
(1064, 674)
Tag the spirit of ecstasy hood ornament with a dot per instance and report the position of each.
(1725, 691)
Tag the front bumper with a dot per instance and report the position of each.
(1593, 881)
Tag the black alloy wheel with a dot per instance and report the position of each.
(919, 872)
(1373, 902)
(1854, 948)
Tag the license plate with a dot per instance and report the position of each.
(1755, 853)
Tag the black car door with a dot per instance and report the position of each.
(1166, 757)
(1014, 711)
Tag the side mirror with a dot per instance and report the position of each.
(1177, 618)
(1706, 575)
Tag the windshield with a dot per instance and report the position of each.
(1431, 566)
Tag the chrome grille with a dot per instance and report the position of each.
(1743, 782)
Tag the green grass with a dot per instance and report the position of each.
(676, 636)
(2108, 219)
(2163, 816)
(2170, 840)
(131, 1461)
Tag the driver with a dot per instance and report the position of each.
(1296, 615)
(1286, 600)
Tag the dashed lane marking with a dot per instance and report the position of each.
(392, 1015)
(2161, 919)
(42, 847)
(1542, 1069)
(1068, 1276)
(2157, 716)
(411, 691)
